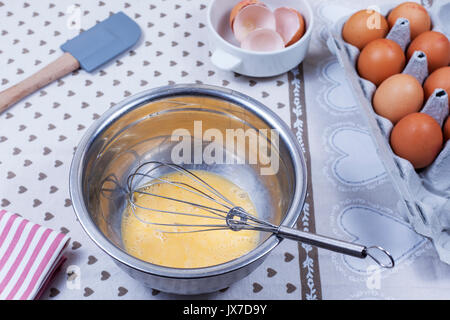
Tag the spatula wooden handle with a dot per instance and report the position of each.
(55, 70)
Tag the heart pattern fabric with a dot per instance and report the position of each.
(39, 135)
(357, 162)
(363, 224)
(336, 95)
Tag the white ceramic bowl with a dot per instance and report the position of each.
(227, 55)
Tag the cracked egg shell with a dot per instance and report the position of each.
(253, 17)
(263, 40)
(290, 25)
(239, 7)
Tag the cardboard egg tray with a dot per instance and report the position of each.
(425, 194)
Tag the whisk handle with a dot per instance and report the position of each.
(323, 242)
(344, 247)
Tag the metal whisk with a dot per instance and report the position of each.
(224, 215)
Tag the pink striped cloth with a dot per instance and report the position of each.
(29, 256)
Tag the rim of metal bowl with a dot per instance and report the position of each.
(145, 97)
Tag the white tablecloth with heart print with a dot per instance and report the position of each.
(353, 198)
(353, 195)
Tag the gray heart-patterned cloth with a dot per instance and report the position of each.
(39, 135)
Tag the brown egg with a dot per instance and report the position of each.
(417, 15)
(435, 45)
(381, 59)
(447, 130)
(440, 79)
(397, 97)
(363, 27)
(417, 138)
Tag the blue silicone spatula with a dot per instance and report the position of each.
(89, 50)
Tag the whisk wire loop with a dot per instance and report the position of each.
(143, 184)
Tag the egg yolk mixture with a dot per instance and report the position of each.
(148, 242)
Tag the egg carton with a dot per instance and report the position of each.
(424, 194)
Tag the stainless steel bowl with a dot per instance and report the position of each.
(138, 130)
